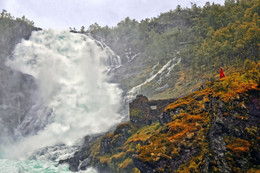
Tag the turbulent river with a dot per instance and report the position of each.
(72, 98)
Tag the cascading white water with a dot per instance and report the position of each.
(164, 71)
(74, 97)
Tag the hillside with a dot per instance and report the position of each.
(214, 126)
(215, 129)
(192, 122)
(194, 41)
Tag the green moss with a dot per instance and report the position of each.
(136, 113)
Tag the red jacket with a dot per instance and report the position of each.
(221, 73)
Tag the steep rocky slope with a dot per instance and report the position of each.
(16, 89)
(202, 38)
(215, 129)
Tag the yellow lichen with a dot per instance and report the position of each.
(135, 170)
(118, 156)
(125, 163)
(254, 170)
(143, 134)
(104, 159)
(188, 129)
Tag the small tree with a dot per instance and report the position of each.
(82, 29)
(3, 13)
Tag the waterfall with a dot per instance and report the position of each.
(113, 60)
(162, 72)
(73, 97)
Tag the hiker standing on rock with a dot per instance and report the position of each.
(221, 73)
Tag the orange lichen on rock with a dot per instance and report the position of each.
(229, 87)
(239, 145)
(143, 134)
(253, 170)
(159, 147)
(180, 127)
(181, 138)
(118, 156)
(180, 103)
(181, 131)
(125, 163)
(194, 102)
(185, 129)
(104, 160)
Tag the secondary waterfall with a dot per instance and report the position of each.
(73, 97)
(162, 72)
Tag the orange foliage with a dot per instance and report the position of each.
(178, 103)
(156, 149)
(182, 133)
(253, 170)
(229, 87)
(187, 124)
(166, 144)
(239, 146)
(190, 126)
(143, 134)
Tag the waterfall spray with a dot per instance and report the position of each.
(74, 97)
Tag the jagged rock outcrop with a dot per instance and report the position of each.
(231, 127)
(96, 149)
(226, 127)
(83, 157)
(210, 130)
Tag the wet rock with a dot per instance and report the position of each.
(165, 118)
(143, 167)
(121, 134)
(233, 124)
(228, 123)
(105, 145)
(85, 163)
(16, 89)
(83, 157)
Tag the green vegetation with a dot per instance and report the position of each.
(11, 30)
(204, 37)
(7, 19)
(137, 113)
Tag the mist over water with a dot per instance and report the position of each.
(73, 97)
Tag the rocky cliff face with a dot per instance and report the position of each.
(16, 89)
(215, 129)
(220, 137)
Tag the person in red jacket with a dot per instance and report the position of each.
(221, 73)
